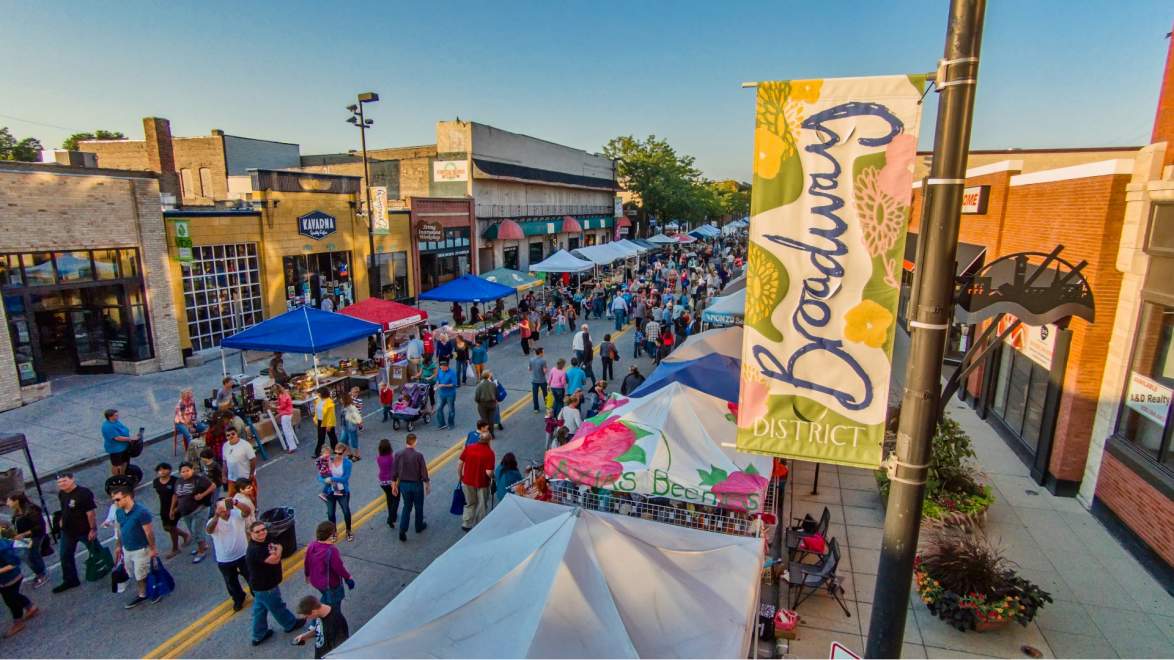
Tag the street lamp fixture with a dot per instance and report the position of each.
(362, 123)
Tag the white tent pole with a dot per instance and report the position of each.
(223, 364)
(315, 371)
(386, 357)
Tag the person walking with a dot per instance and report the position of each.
(289, 438)
(116, 439)
(386, 463)
(505, 475)
(411, 484)
(134, 541)
(328, 627)
(485, 396)
(577, 342)
(29, 524)
(78, 524)
(194, 495)
(480, 357)
(428, 376)
(446, 392)
(576, 378)
(263, 560)
(240, 461)
(323, 567)
(525, 330)
(475, 468)
(538, 379)
(460, 352)
(556, 378)
(570, 416)
(229, 542)
(340, 489)
(11, 577)
(185, 417)
(608, 355)
(585, 363)
(352, 421)
(619, 310)
(324, 419)
(164, 485)
(632, 381)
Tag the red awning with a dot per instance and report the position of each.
(571, 225)
(387, 313)
(508, 230)
(624, 221)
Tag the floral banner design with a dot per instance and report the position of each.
(833, 173)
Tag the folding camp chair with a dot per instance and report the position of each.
(803, 580)
(802, 528)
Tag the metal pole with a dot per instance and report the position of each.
(956, 82)
(373, 269)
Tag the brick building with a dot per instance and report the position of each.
(83, 270)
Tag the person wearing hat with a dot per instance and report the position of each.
(116, 439)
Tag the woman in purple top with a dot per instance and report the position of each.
(386, 462)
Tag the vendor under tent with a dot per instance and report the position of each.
(306, 330)
(662, 239)
(391, 316)
(726, 310)
(713, 374)
(675, 443)
(719, 341)
(510, 277)
(541, 580)
(561, 262)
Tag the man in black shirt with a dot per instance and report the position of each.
(263, 560)
(328, 627)
(78, 523)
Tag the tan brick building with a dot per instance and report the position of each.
(84, 272)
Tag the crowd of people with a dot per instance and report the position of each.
(208, 504)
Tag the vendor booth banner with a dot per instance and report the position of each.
(833, 172)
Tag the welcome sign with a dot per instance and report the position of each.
(833, 172)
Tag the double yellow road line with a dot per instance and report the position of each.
(200, 629)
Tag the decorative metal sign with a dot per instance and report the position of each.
(316, 225)
(1036, 287)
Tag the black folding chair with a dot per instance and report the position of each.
(803, 528)
(803, 580)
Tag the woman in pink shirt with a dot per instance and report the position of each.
(386, 462)
(285, 413)
(556, 378)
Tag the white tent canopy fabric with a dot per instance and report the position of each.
(661, 238)
(602, 254)
(541, 580)
(640, 249)
(722, 341)
(726, 310)
(561, 262)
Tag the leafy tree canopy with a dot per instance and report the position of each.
(27, 149)
(70, 143)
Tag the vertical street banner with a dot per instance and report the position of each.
(833, 173)
(379, 221)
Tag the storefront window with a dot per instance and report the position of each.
(536, 252)
(222, 294)
(1144, 420)
(19, 328)
(128, 263)
(393, 274)
(311, 277)
(38, 269)
(10, 276)
(106, 264)
(73, 266)
(573, 243)
(509, 256)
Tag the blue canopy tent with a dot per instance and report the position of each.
(714, 374)
(468, 288)
(301, 330)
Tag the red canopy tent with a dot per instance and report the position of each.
(389, 314)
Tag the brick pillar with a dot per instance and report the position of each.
(1164, 118)
(161, 153)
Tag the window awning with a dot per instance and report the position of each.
(598, 222)
(970, 257)
(624, 221)
(528, 228)
(571, 225)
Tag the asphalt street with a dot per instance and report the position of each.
(195, 620)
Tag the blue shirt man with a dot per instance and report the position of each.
(130, 527)
(576, 379)
(446, 382)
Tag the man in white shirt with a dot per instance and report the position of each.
(415, 354)
(240, 461)
(619, 310)
(327, 304)
(229, 541)
(577, 341)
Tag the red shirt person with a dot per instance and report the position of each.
(475, 468)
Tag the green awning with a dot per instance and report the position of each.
(540, 227)
(597, 222)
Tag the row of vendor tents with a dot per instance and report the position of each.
(538, 579)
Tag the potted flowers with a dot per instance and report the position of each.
(955, 495)
(965, 582)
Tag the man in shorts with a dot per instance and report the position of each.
(134, 543)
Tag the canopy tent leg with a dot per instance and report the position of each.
(315, 371)
(242, 354)
(386, 357)
(223, 364)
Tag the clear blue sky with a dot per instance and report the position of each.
(1054, 73)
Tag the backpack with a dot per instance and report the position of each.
(501, 393)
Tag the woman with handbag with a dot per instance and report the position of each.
(30, 528)
(22, 608)
(340, 489)
(323, 567)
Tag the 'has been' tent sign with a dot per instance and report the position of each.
(316, 225)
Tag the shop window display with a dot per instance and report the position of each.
(222, 294)
(1145, 413)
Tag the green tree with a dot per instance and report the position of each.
(665, 182)
(734, 197)
(70, 143)
(27, 149)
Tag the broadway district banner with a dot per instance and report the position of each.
(833, 171)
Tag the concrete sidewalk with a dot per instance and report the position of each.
(1106, 604)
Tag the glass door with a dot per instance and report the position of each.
(89, 340)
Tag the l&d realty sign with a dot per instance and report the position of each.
(316, 225)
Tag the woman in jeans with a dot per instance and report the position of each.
(285, 416)
(185, 417)
(350, 419)
(556, 378)
(461, 353)
(21, 608)
(340, 489)
(323, 566)
(30, 526)
(386, 462)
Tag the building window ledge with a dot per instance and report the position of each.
(1145, 467)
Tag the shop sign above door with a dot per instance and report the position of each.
(444, 171)
(974, 200)
(316, 225)
(430, 231)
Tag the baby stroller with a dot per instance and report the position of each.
(418, 406)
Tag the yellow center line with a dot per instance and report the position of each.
(203, 627)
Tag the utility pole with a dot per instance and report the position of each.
(363, 123)
(934, 286)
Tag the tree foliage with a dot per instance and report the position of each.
(27, 149)
(70, 143)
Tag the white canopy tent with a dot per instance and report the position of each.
(541, 580)
(603, 254)
(720, 341)
(561, 262)
(662, 239)
(640, 249)
(726, 310)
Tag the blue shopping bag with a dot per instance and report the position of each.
(159, 581)
(458, 502)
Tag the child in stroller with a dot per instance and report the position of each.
(411, 406)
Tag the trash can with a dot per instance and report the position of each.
(280, 522)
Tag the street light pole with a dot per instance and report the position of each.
(363, 123)
(934, 285)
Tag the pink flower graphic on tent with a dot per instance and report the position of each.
(595, 458)
(734, 490)
(613, 403)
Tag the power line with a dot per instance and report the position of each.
(41, 123)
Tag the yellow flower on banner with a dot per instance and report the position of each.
(806, 91)
(867, 323)
(768, 152)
